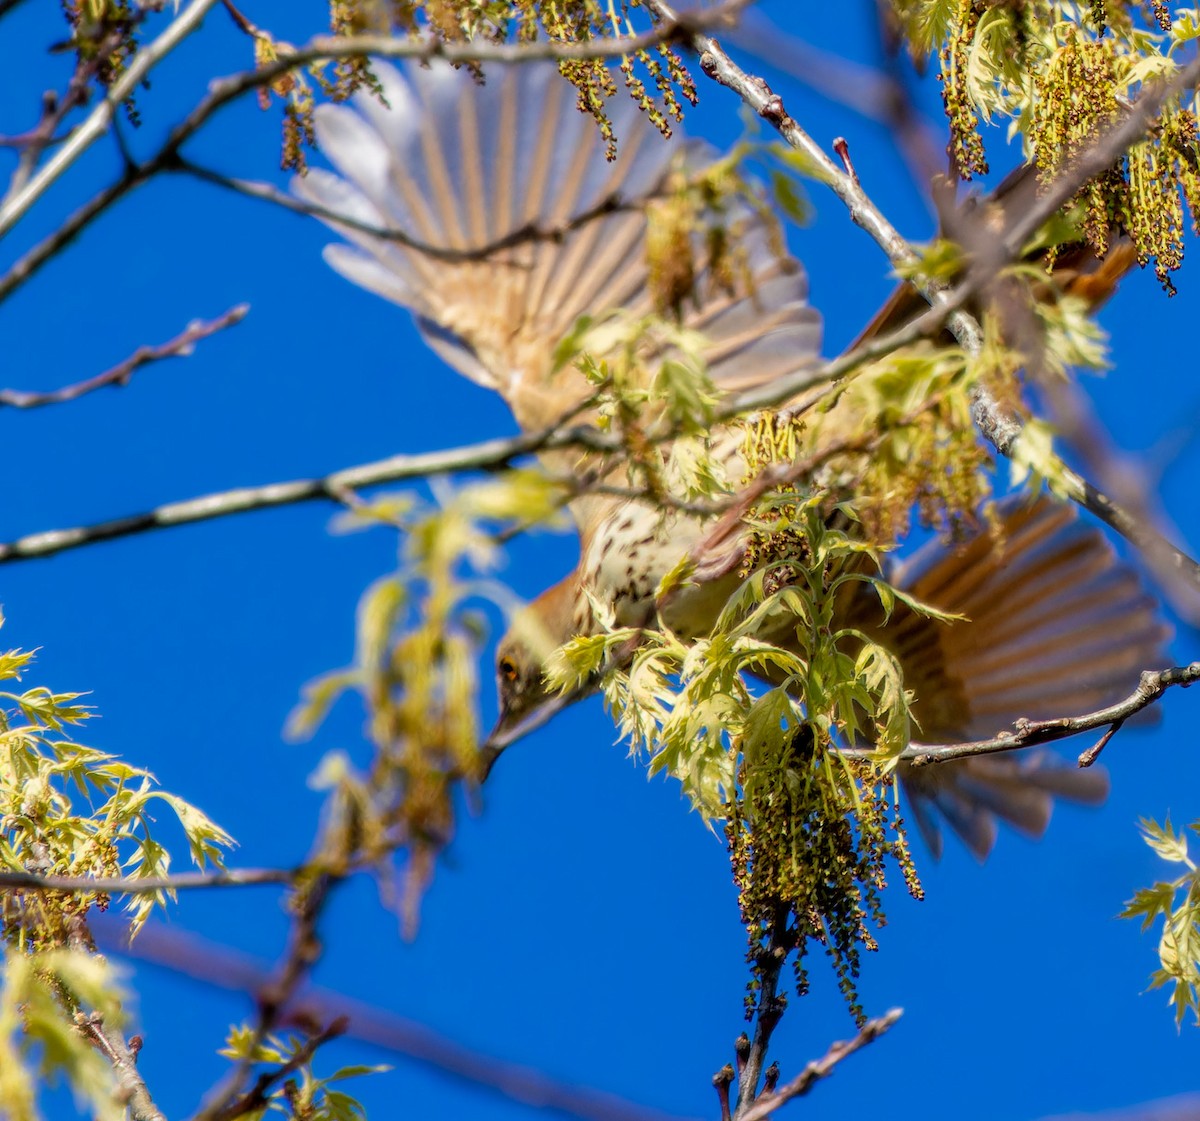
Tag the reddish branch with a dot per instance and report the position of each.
(222, 967)
(179, 347)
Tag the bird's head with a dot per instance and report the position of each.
(536, 632)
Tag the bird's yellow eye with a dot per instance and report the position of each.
(508, 669)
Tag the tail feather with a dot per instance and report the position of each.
(1056, 625)
(972, 793)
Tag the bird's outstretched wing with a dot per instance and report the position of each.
(511, 178)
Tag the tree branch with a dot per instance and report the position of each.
(489, 455)
(134, 885)
(180, 346)
(1029, 733)
(224, 968)
(303, 951)
(222, 91)
(257, 1098)
(97, 122)
(111, 1043)
(820, 1068)
(768, 1009)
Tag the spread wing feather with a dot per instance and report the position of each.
(457, 166)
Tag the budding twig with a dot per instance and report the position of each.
(178, 347)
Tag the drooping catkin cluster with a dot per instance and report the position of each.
(1064, 74)
(655, 76)
(808, 841)
(810, 829)
(104, 37)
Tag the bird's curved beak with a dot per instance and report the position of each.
(511, 727)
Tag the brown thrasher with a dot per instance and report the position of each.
(1057, 624)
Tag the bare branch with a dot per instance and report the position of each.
(674, 27)
(768, 1009)
(302, 954)
(224, 968)
(222, 91)
(490, 455)
(145, 885)
(820, 1068)
(1128, 478)
(1028, 733)
(179, 347)
(111, 1043)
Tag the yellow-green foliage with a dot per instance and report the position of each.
(104, 36)
(69, 810)
(1177, 903)
(418, 642)
(301, 1094)
(46, 1002)
(898, 436)
(1061, 73)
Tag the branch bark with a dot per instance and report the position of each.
(97, 122)
(180, 346)
(820, 1068)
(127, 885)
(1029, 733)
(222, 967)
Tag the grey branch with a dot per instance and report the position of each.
(179, 347)
(1028, 733)
(144, 885)
(820, 1068)
(327, 48)
(111, 1043)
(490, 455)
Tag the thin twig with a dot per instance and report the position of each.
(489, 455)
(257, 1098)
(222, 91)
(820, 1068)
(144, 885)
(302, 953)
(178, 347)
(768, 1009)
(1029, 733)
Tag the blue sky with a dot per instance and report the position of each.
(583, 922)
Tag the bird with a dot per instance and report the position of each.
(490, 211)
